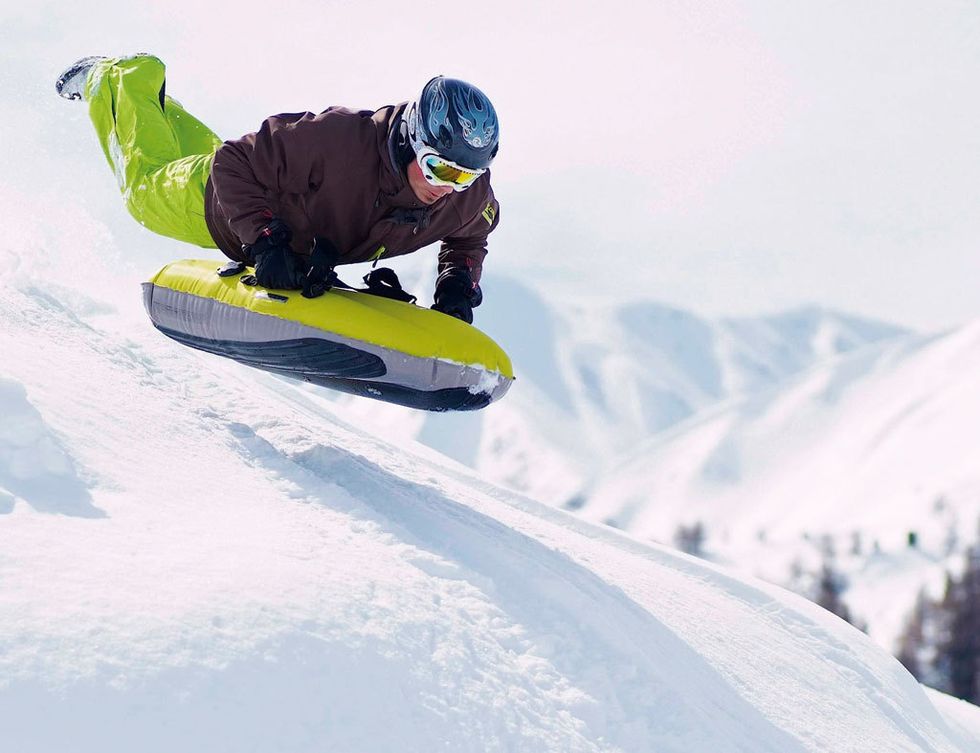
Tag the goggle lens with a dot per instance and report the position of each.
(447, 172)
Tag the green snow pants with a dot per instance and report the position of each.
(161, 154)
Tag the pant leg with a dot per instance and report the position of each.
(161, 155)
(193, 137)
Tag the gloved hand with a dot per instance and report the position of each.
(320, 276)
(276, 266)
(457, 295)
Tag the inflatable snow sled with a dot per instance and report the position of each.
(346, 340)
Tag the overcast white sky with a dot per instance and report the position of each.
(727, 157)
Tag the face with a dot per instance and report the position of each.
(423, 190)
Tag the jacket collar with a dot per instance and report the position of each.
(395, 189)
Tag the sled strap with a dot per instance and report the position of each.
(384, 282)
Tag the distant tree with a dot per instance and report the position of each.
(958, 646)
(913, 647)
(857, 544)
(952, 540)
(690, 539)
(913, 539)
(827, 547)
(941, 641)
(940, 660)
(796, 571)
(830, 589)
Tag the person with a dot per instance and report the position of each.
(306, 192)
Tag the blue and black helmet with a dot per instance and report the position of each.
(456, 120)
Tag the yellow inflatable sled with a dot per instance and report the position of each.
(346, 340)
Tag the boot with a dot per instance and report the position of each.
(71, 83)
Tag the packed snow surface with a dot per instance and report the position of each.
(198, 556)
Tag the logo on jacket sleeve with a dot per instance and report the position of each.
(489, 214)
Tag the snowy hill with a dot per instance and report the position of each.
(196, 556)
(858, 453)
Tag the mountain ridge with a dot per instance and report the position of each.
(869, 451)
(594, 380)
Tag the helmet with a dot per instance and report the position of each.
(456, 120)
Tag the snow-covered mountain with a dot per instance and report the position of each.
(594, 381)
(873, 454)
(197, 556)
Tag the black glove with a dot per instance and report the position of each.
(457, 295)
(276, 266)
(320, 276)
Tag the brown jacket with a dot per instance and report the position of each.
(333, 175)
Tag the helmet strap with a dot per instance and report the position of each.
(400, 148)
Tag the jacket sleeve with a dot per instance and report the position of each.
(250, 173)
(467, 247)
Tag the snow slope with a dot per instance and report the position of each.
(196, 556)
(859, 452)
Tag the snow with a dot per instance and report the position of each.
(961, 716)
(207, 557)
(33, 464)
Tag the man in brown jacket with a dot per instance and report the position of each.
(305, 192)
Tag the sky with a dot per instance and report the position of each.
(729, 157)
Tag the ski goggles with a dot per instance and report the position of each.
(440, 171)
